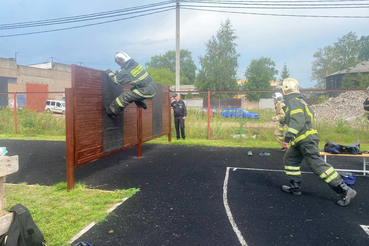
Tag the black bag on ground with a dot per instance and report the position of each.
(22, 231)
(333, 148)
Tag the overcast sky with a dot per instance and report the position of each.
(290, 40)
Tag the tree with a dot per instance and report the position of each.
(358, 81)
(364, 48)
(168, 61)
(285, 73)
(162, 76)
(219, 64)
(347, 50)
(323, 65)
(258, 74)
(342, 54)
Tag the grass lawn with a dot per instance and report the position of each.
(61, 214)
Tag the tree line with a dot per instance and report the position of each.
(218, 67)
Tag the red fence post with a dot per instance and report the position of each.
(15, 112)
(208, 114)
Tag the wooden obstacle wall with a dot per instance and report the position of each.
(89, 131)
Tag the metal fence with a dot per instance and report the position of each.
(25, 113)
(229, 115)
(339, 115)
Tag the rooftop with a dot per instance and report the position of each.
(362, 67)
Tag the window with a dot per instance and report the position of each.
(47, 102)
(53, 104)
(58, 105)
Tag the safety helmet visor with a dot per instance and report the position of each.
(121, 57)
(278, 96)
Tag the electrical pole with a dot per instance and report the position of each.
(177, 47)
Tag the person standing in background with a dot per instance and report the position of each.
(179, 113)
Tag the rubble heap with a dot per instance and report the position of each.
(347, 106)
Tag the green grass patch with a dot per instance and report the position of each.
(31, 124)
(61, 214)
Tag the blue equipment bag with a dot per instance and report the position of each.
(348, 178)
(83, 243)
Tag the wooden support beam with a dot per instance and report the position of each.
(8, 165)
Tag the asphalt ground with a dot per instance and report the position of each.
(197, 195)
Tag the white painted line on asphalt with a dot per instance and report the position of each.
(228, 210)
(258, 169)
(274, 170)
(365, 228)
(84, 230)
(225, 198)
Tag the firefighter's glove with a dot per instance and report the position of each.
(109, 72)
(141, 104)
(273, 119)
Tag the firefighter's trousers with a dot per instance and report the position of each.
(279, 133)
(310, 152)
(136, 94)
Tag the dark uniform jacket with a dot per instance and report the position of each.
(366, 105)
(299, 118)
(133, 73)
(179, 108)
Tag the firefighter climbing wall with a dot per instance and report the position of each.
(91, 135)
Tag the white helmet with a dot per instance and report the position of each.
(290, 86)
(121, 56)
(278, 96)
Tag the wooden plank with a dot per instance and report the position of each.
(8, 165)
(326, 153)
(2, 193)
(6, 219)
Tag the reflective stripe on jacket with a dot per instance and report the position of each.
(132, 73)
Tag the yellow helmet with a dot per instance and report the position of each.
(290, 86)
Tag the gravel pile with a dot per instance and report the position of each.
(347, 106)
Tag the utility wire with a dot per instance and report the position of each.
(278, 7)
(94, 24)
(94, 16)
(316, 1)
(278, 4)
(282, 15)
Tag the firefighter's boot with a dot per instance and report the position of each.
(113, 110)
(346, 194)
(141, 104)
(293, 187)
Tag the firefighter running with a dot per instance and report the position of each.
(301, 142)
(280, 132)
(143, 86)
